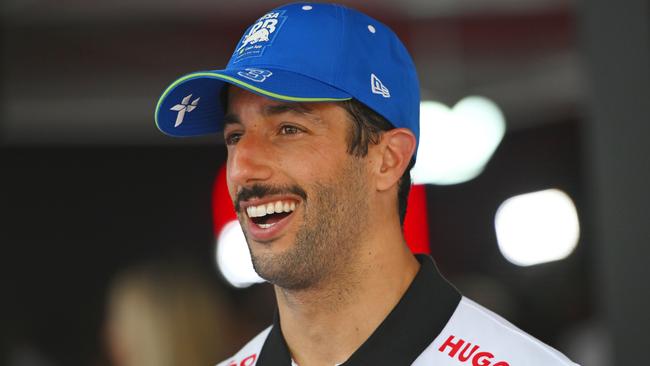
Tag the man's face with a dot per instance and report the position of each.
(301, 199)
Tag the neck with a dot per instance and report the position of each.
(326, 323)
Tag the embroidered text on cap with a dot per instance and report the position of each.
(259, 36)
(256, 75)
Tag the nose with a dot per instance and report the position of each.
(249, 161)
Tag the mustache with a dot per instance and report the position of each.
(259, 191)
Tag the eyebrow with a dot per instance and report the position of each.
(276, 109)
(230, 118)
(300, 108)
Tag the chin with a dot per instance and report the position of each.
(283, 269)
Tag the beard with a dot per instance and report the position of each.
(334, 219)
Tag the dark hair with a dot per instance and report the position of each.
(367, 127)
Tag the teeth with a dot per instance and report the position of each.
(269, 208)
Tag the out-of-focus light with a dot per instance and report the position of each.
(455, 144)
(537, 227)
(233, 258)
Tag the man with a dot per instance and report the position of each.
(319, 107)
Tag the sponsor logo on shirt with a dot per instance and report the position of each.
(469, 353)
(248, 361)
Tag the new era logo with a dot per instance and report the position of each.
(378, 87)
(184, 106)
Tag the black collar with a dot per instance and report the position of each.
(407, 331)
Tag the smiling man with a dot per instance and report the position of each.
(296, 188)
(319, 109)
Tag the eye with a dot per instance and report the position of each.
(289, 130)
(232, 138)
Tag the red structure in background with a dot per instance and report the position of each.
(416, 229)
(223, 210)
(416, 224)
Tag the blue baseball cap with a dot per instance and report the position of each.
(302, 52)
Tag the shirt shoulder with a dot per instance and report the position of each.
(475, 335)
(248, 355)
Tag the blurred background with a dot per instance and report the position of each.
(101, 213)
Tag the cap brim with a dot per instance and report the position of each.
(191, 105)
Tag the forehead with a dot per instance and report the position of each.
(240, 102)
(237, 98)
(234, 94)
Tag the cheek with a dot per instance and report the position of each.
(318, 158)
(308, 168)
(230, 185)
(231, 193)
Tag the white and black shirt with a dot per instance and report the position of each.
(432, 325)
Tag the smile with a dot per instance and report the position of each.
(267, 215)
(268, 218)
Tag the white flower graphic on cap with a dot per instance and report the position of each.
(183, 107)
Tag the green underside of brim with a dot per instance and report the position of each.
(243, 85)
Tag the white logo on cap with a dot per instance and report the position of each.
(259, 36)
(184, 106)
(256, 75)
(261, 30)
(378, 87)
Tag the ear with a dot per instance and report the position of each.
(396, 148)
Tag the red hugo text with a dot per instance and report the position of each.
(248, 361)
(469, 351)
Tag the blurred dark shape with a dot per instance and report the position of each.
(590, 343)
(617, 53)
(27, 355)
(165, 314)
